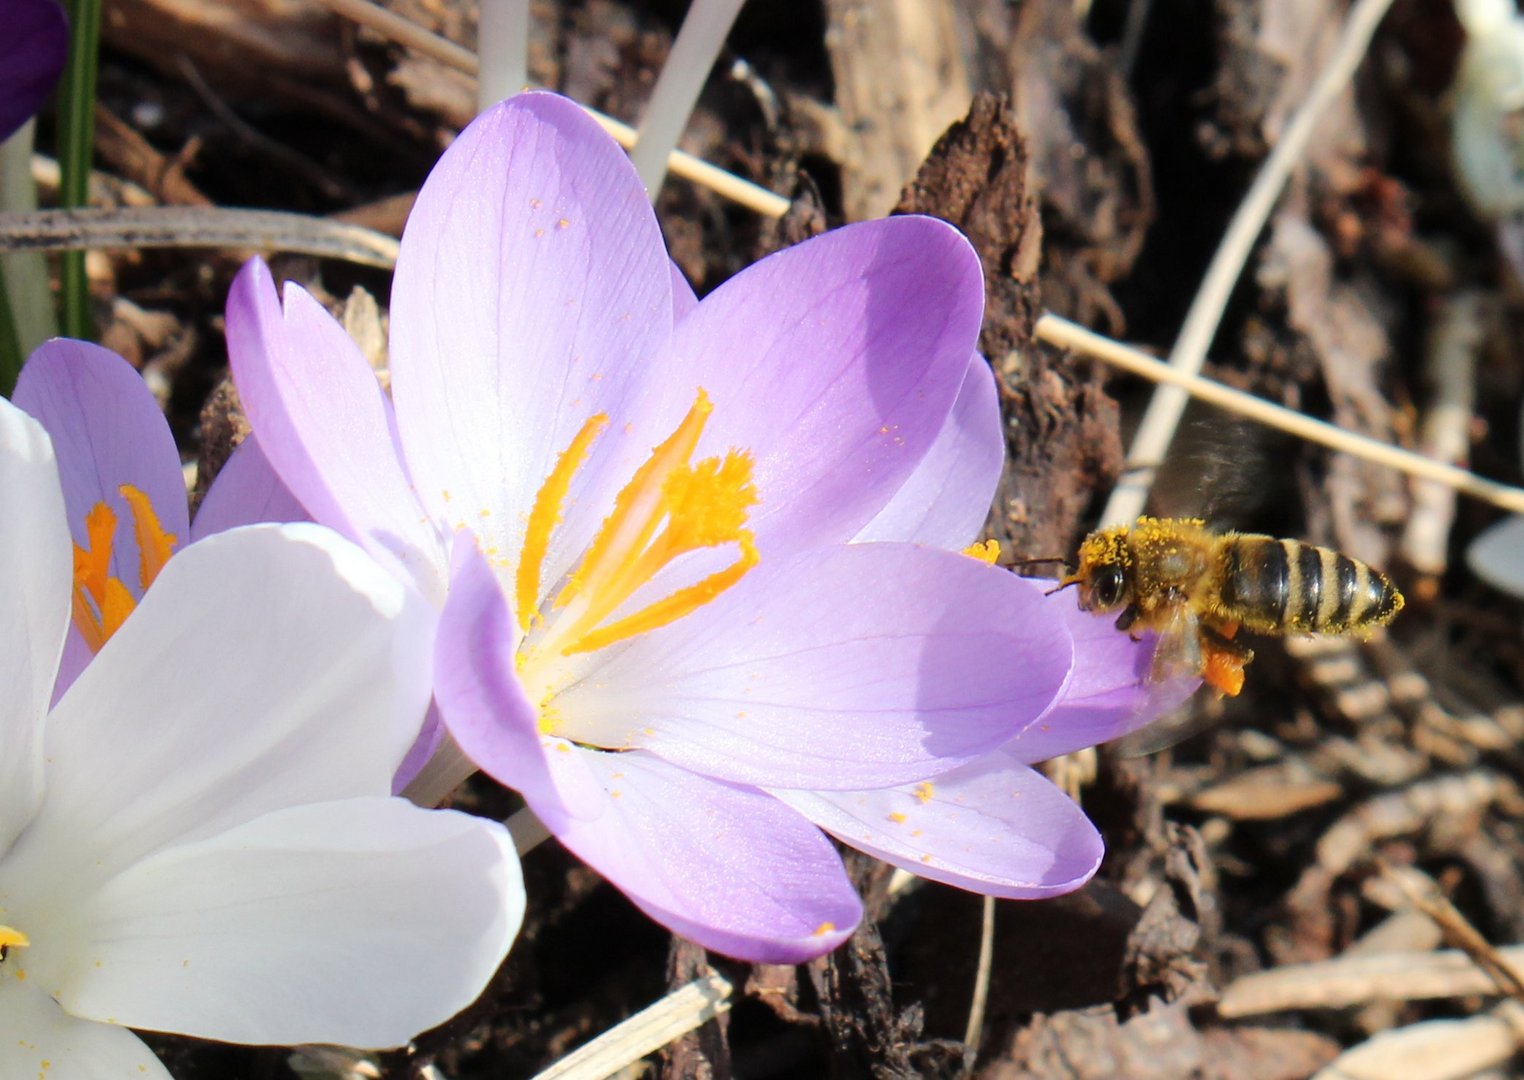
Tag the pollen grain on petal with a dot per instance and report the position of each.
(924, 791)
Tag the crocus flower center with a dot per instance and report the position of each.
(101, 602)
(671, 506)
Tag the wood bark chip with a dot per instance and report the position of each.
(1061, 426)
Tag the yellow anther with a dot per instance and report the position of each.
(12, 939)
(546, 515)
(986, 551)
(671, 506)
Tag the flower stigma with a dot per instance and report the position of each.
(670, 507)
(101, 602)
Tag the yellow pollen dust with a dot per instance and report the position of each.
(671, 506)
(986, 551)
(101, 602)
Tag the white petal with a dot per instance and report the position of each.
(36, 570)
(39, 1039)
(361, 922)
(269, 666)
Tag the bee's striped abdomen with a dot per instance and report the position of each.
(1285, 586)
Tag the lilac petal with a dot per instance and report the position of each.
(855, 666)
(945, 501)
(246, 492)
(683, 298)
(995, 826)
(532, 291)
(325, 426)
(835, 363)
(726, 866)
(483, 703)
(107, 430)
(32, 53)
(1109, 695)
(35, 574)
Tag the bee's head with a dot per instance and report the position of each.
(1104, 575)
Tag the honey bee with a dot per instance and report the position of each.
(1197, 588)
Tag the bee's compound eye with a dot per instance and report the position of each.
(1106, 586)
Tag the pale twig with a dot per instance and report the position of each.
(699, 41)
(1445, 434)
(1434, 1049)
(502, 46)
(973, 1032)
(196, 227)
(527, 830)
(1358, 980)
(1162, 416)
(646, 1032)
(1067, 335)
(395, 28)
(1421, 891)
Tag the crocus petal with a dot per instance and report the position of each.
(683, 298)
(727, 866)
(835, 363)
(995, 827)
(945, 500)
(483, 702)
(1110, 693)
(279, 659)
(107, 430)
(246, 492)
(531, 292)
(325, 426)
(374, 919)
(35, 572)
(32, 53)
(39, 1039)
(859, 665)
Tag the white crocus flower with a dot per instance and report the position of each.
(199, 837)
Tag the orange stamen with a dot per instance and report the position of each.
(986, 551)
(154, 544)
(101, 602)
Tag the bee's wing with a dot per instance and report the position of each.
(1178, 651)
(1176, 655)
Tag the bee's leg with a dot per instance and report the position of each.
(1224, 659)
(1127, 618)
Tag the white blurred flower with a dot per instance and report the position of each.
(199, 838)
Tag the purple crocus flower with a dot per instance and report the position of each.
(33, 47)
(668, 539)
(124, 492)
